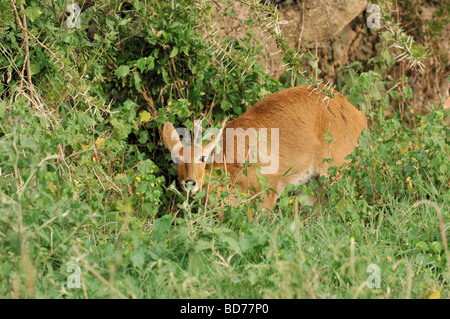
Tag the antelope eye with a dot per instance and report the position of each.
(177, 160)
(203, 159)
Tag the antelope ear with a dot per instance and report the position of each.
(170, 136)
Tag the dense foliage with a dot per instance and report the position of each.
(86, 183)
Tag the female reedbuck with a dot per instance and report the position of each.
(288, 135)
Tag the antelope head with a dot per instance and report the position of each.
(190, 156)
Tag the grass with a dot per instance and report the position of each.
(89, 206)
(323, 253)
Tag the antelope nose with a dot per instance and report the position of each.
(191, 182)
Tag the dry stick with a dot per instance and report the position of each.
(359, 289)
(33, 96)
(23, 26)
(207, 188)
(27, 48)
(22, 74)
(89, 185)
(96, 274)
(45, 47)
(303, 26)
(374, 189)
(352, 256)
(29, 270)
(148, 98)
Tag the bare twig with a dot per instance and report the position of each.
(23, 27)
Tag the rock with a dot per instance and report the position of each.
(319, 20)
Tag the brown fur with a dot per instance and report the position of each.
(302, 119)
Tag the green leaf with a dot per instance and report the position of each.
(28, 142)
(408, 92)
(35, 68)
(143, 137)
(161, 226)
(203, 245)
(174, 52)
(137, 81)
(437, 247)
(122, 71)
(121, 128)
(125, 21)
(147, 167)
(145, 117)
(32, 13)
(141, 64)
(234, 245)
(150, 63)
(137, 259)
(2, 109)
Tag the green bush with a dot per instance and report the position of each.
(86, 182)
